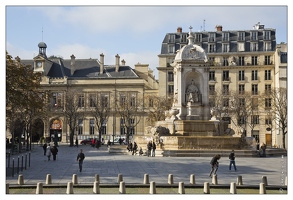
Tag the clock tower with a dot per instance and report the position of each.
(40, 59)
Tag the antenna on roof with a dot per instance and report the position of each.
(204, 22)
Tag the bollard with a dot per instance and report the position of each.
(206, 188)
(74, 179)
(96, 189)
(122, 189)
(262, 188)
(69, 189)
(233, 188)
(239, 180)
(120, 178)
(153, 188)
(48, 179)
(21, 162)
(20, 179)
(170, 179)
(12, 167)
(215, 179)
(192, 179)
(7, 188)
(146, 179)
(264, 180)
(181, 189)
(39, 189)
(17, 165)
(97, 177)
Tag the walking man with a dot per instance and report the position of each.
(215, 164)
(232, 160)
(154, 149)
(54, 151)
(80, 158)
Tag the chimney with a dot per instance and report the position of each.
(72, 64)
(219, 27)
(123, 62)
(179, 30)
(117, 63)
(101, 63)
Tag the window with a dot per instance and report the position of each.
(92, 126)
(255, 134)
(241, 102)
(183, 38)
(225, 102)
(104, 127)
(131, 131)
(170, 89)
(254, 75)
(241, 76)
(225, 48)
(241, 60)
(92, 100)
(81, 101)
(151, 102)
(171, 38)
(268, 121)
(241, 89)
(122, 99)
(80, 125)
(267, 74)
(212, 48)
(171, 48)
(198, 37)
(267, 60)
(226, 75)
(212, 37)
(253, 60)
(268, 88)
(268, 103)
(254, 35)
(254, 89)
(225, 61)
(254, 103)
(241, 36)
(104, 100)
(267, 35)
(254, 46)
(267, 46)
(57, 99)
(122, 127)
(241, 120)
(225, 37)
(212, 76)
(132, 100)
(212, 89)
(225, 89)
(254, 119)
(241, 46)
(170, 77)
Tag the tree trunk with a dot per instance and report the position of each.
(71, 137)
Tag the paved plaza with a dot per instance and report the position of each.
(133, 168)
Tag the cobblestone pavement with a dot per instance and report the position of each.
(108, 166)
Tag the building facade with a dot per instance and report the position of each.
(241, 61)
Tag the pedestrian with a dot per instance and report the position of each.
(76, 142)
(54, 151)
(154, 146)
(80, 157)
(45, 148)
(48, 152)
(134, 148)
(108, 143)
(149, 147)
(120, 141)
(140, 151)
(93, 142)
(129, 147)
(215, 164)
(232, 160)
(263, 148)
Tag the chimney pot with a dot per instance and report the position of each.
(219, 27)
(179, 30)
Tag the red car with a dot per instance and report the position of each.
(86, 141)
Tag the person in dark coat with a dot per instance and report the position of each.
(232, 160)
(134, 148)
(45, 148)
(149, 147)
(214, 164)
(80, 157)
(54, 151)
(154, 146)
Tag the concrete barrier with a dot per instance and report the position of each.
(74, 179)
(48, 179)
(20, 180)
(146, 179)
(170, 179)
(96, 188)
(69, 189)
(239, 180)
(181, 189)
(122, 189)
(97, 177)
(192, 179)
(120, 178)
(215, 179)
(206, 188)
(153, 188)
(39, 189)
(7, 188)
(262, 188)
(264, 180)
(233, 188)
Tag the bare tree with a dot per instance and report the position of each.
(100, 109)
(275, 102)
(130, 110)
(74, 109)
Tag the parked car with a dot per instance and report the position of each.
(116, 140)
(86, 141)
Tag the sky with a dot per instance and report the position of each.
(134, 32)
